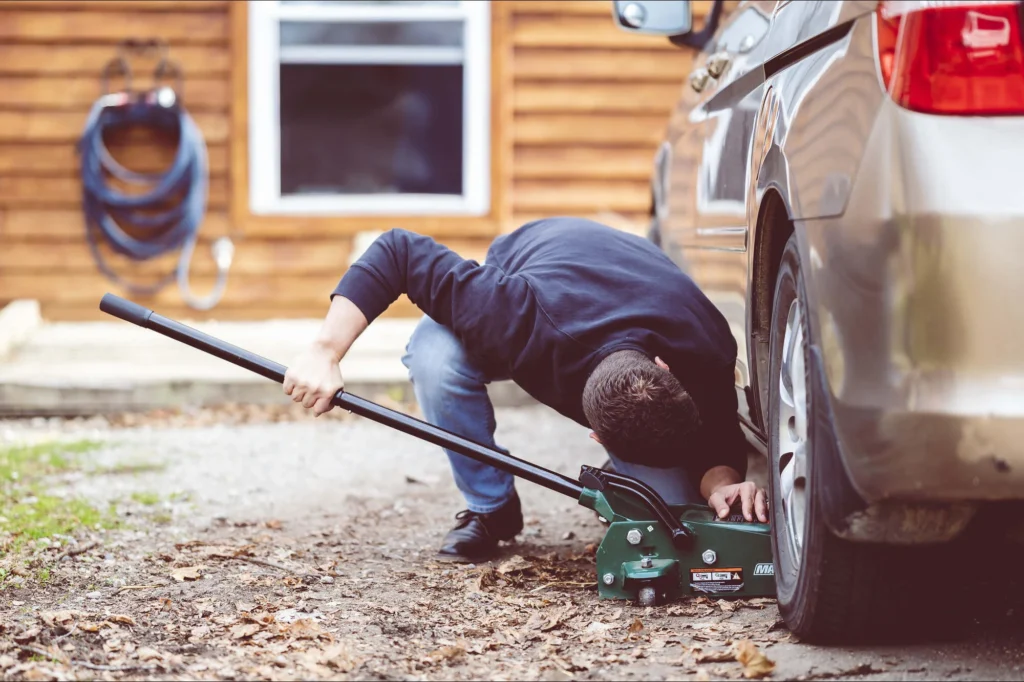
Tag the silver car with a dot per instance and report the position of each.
(844, 180)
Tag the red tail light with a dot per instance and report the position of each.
(960, 58)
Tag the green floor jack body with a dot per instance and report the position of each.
(651, 552)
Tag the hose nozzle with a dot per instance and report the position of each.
(223, 253)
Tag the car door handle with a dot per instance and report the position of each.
(718, 63)
(699, 79)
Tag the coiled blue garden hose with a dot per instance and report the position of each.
(169, 214)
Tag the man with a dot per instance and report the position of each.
(595, 323)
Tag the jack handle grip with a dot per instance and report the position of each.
(126, 310)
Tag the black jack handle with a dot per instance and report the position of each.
(146, 318)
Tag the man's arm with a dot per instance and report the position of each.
(485, 309)
(342, 325)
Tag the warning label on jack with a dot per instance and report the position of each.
(716, 580)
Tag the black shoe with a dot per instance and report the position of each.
(475, 537)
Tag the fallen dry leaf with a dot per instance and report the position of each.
(26, 636)
(57, 618)
(487, 578)
(545, 622)
(339, 658)
(305, 628)
(448, 653)
(187, 573)
(755, 664)
(147, 654)
(122, 619)
(516, 564)
(716, 657)
(262, 618)
(597, 628)
(35, 672)
(243, 630)
(728, 606)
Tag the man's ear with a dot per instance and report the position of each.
(594, 437)
(661, 363)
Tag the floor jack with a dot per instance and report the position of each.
(651, 553)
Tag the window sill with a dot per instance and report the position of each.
(355, 205)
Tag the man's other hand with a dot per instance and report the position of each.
(752, 499)
(314, 379)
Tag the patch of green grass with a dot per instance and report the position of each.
(147, 498)
(26, 512)
(162, 518)
(43, 575)
(31, 461)
(47, 515)
(129, 468)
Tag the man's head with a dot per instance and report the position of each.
(638, 410)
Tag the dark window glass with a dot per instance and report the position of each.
(371, 129)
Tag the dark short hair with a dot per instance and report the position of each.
(640, 411)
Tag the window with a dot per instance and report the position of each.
(369, 107)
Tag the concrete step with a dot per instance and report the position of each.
(71, 369)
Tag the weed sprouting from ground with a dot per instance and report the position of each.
(146, 498)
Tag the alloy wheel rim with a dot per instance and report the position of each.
(791, 434)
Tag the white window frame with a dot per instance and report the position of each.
(264, 111)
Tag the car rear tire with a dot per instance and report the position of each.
(831, 590)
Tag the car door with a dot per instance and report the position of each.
(715, 242)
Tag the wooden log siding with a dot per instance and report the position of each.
(51, 56)
(591, 103)
(588, 106)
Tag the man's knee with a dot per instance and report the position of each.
(436, 359)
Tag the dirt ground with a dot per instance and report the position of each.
(250, 548)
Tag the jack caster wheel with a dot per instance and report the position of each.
(647, 596)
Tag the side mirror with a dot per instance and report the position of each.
(656, 17)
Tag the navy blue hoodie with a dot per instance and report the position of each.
(553, 299)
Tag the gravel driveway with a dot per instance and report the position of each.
(304, 549)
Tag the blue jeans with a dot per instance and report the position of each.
(452, 393)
